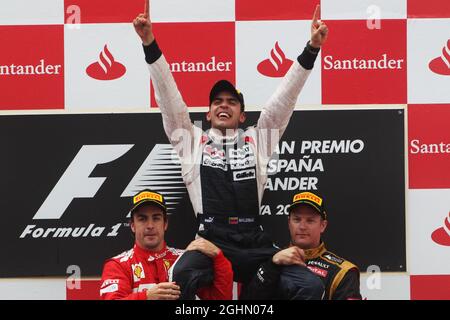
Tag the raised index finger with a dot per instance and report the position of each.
(316, 14)
(146, 7)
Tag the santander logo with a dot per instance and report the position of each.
(277, 65)
(106, 68)
(441, 65)
(442, 235)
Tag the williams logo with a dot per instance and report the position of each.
(277, 65)
(442, 235)
(106, 68)
(441, 65)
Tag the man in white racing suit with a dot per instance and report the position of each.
(224, 169)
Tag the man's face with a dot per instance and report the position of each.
(306, 225)
(225, 112)
(149, 225)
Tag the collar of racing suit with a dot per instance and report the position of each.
(315, 252)
(150, 255)
(217, 137)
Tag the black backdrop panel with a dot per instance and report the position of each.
(85, 167)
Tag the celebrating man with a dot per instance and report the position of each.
(224, 168)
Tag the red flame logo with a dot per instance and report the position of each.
(442, 235)
(441, 65)
(277, 65)
(106, 68)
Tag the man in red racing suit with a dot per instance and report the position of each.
(144, 272)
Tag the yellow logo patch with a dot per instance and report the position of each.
(166, 264)
(308, 196)
(147, 195)
(138, 272)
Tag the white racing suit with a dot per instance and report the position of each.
(225, 176)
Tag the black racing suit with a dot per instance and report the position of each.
(339, 276)
(225, 176)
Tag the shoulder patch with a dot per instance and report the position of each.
(333, 258)
(204, 139)
(124, 256)
(177, 252)
(249, 139)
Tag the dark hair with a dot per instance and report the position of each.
(226, 86)
(165, 217)
(242, 107)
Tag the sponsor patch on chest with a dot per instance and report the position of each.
(241, 158)
(244, 175)
(138, 272)
(237, 164)
(318, 271)
(214, 162)
(331, 257)
(320, 264)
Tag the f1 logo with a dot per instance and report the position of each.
(75, 182)
(160, 170)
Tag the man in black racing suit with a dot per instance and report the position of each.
(307, 221)
(224, 169)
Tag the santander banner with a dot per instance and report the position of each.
(429, 146)
(277, 65)
(430, 287)
(442, 235)
(197, 62)
(275, 10)
(362, 65)
(32, 71)
(106, 68)
(441, 65)
(102, 11)
(428, 9)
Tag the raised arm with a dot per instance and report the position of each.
(278, 110)
(319, 30)
(143, 25)
(176, 121)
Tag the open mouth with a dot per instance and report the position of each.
(223, 115)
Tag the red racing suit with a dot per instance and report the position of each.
(129, 275)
